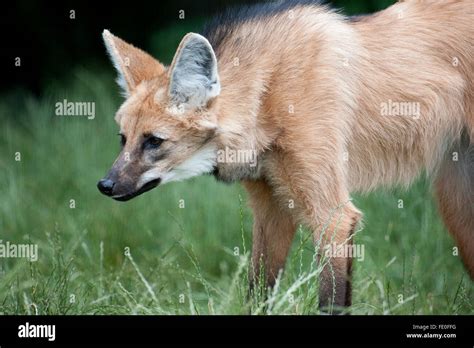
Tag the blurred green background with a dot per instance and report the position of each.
(54, 37)
(182, 260)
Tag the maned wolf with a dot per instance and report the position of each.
(326, 105)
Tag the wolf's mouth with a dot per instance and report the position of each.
(147, 187)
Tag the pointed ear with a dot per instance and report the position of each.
(132, 64)
(194, 79)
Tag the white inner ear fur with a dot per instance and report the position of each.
(116, 61)
(194, 77)
(201, 162)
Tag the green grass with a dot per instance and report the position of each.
(182, 261)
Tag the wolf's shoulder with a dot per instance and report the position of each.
(225, 23)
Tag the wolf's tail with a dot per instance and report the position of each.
(455, 193)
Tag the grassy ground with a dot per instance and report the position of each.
(182, 260)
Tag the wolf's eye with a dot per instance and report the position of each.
(123, 140)
(152, 142)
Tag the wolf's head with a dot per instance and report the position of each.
(168, 120)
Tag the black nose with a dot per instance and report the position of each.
(105, 186)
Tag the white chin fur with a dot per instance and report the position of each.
(146, 177)
(201, 162)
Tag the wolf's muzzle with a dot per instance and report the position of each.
(106, 186)
(147, 187)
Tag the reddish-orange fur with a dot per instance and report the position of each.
(306, 95)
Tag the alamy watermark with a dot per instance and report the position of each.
(229, 155)
(12, 250)
(355, 251)
(28, 330)
(69, 108)
(399, 108)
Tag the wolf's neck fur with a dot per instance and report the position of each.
(262, 65)
(241, 115)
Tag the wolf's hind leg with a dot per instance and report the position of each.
(455, 193)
